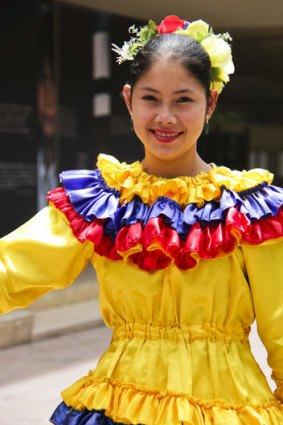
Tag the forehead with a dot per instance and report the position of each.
(168, 76)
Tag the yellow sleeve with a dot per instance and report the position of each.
(39, 256)
(265, 273)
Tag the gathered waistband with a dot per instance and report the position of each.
(186, 333)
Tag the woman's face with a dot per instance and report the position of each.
(169, 108)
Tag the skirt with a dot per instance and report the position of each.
(64, 415)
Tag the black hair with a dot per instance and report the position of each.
(179, 48)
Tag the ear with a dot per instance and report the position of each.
(127, 94)
(212, 101)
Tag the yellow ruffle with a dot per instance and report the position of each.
(131, 404)
(131, 180)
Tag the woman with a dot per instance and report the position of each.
(186, 253)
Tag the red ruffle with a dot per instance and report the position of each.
(82, 229)
(156, 246)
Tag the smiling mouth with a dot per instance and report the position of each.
(165, 135)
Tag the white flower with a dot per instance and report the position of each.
(226, 36)
(123, 52)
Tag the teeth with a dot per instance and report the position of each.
(166, 134)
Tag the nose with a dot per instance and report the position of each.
(165, 116)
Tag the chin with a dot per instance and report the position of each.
(166, 156)
(168, 153)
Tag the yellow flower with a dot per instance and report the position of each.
(197, 30)
(219, 52)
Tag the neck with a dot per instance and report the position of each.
(184, 166)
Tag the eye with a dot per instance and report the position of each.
(149, 97)
(184, 99)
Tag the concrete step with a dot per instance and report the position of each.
(67, 318)
(16, 328)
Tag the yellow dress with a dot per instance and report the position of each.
(184, 267)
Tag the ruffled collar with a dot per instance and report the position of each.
(131, 180)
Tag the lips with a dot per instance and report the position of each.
(165, 136)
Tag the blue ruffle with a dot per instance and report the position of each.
(92, 198)
(170, 210)
(127, 214)
(89, 194)
(65, 415)
(262, 202)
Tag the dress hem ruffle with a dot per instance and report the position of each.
(130, 404)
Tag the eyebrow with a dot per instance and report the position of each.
(175, 92)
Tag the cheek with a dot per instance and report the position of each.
(141, 116)
(195, 116)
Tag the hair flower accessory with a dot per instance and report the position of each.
(130, 48)
(170, 24)
(215, 45)
(198, 30)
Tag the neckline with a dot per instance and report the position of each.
(130, 179)
(110, 166)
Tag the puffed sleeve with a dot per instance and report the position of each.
(264, 265)
(39, 256)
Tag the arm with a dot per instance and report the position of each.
(39, 256)
(264, 267)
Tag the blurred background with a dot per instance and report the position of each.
(60, 86)
(60, 105)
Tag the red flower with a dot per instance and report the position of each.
(170, 24)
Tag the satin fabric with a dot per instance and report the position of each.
(156, 236)
(92, 198)
(68, 416)
(40, 256)
(132, 180)
(64, 415)
(179, 352)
